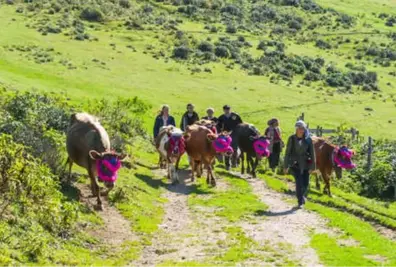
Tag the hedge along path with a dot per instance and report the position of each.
(285, 224)
(116, 228)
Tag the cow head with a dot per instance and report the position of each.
(107, 165)
(176, 145)
(260, 145)
(208, 124)
(221, 143)
(342, 158)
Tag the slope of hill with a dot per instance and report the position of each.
(333, 60)
(142, 53)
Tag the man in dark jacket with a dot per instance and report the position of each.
(228, 122)
(189, 117)
(210, 116)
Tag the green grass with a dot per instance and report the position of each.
(369, 241)
(137, 74)
(234, 203)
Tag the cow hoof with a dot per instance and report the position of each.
(318, 187)
(99, 207)
(213, 183)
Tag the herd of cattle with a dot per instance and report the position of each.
(88, 145)
(202, 144)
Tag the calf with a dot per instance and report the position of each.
(202, 145)
(255, 146)
(88, 145)
(171, 146)
(329, 157)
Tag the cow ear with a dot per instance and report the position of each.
(95, 155)
(211, 136)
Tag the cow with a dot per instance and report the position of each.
(330, 157)
(202, 145)
(251, 143)
(88, 145)
(211, 125)
(171, 146)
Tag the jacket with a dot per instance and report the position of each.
(186, 120)
(300, 154)
(214, 119)
(228, 123)
(159, 122)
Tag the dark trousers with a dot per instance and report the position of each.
(234, 158)
(302, 183)
(274, 156)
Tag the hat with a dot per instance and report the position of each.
(300, 124)
(226, 107)
(210, 109)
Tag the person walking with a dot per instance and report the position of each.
(228, 122)
(210, 115)
(189, 117)
(163, 119)
(273, 133)
(300, 160)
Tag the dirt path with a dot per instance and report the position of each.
(185, 235)
(116, 229)
(284, 224)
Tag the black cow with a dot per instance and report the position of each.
(253, 144)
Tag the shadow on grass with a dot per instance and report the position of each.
(184, 189)
(274, 214)
(230, 174)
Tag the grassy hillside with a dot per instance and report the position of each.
(136, 60)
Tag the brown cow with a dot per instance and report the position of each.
(170, 145)
(202, 145)
(88, 145)
(329, 157)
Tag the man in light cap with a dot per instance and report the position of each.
(300, 159)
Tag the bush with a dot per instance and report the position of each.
(206, 46)
(92, 14)
(181, 52)
(294, 24)
(222, 51)
(231, 9)
(33, 210)
(231, 28)
(125, 3)
(322, 44)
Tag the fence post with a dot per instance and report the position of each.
(303, 116)
(353, 132)
(369, 153)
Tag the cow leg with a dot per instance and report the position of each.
(172, 173)
(198, 167)
(95, 187)
(250, 164)
(255, 164)
(242, 163)
(177, 163)
(317, 181)
(192, 164)
(326, 189)
(70, 162)
(210, 178)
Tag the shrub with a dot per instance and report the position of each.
(181, 52)
(231, 9)
(322, 44)
(294, 24)
(206, 46)
(222, 51)
(125, 3)
(231, 28)
(92, 14)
